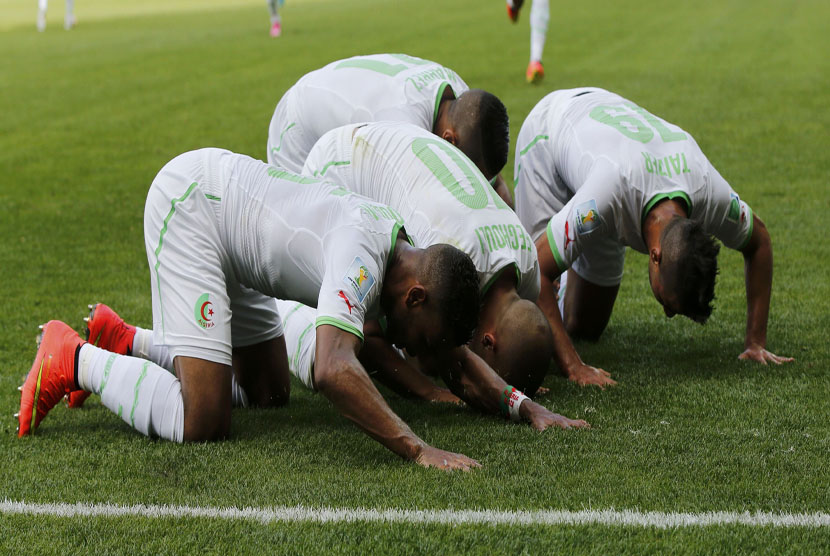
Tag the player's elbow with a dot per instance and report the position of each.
(333, 375)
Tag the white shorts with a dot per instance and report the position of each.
(300, 339)
(288, 143)
(199, 308)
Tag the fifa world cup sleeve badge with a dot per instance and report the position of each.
(359, 279)
(587, 217)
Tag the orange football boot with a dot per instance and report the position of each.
(51, 377)
(535, 72)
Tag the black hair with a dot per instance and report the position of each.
(484, 128)
(692, 266)
(453, 280)
(494, 127)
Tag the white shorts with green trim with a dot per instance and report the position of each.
(199, 308)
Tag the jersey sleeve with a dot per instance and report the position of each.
(350, 291)
(586, 224)
(727, 217)
(530, 282)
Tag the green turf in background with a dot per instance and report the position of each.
(89, 116)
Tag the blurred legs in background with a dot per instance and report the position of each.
(276, 23)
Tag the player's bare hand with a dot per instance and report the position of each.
(586, 375)
(448, 461)
(762, 356)
(542, 418)
(541, 391)
(445, 396)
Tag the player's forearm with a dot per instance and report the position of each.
(758, 274)
(473, 380)
(351, 391)
(564, 353)
(394, 371)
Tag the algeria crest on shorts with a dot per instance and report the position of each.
(359, 279)
(204, 312)
(587, 217)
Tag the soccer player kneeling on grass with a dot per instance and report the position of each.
(596, 173)
(224, 235)
(444, 198)
(391, 87)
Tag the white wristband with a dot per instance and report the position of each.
(514, 403)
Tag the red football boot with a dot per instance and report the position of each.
(513, 10)
(107, 330)
(51, 377)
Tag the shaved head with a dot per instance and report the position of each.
(482, 129)
(522, 346)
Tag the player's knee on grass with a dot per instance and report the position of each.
(206, 396)
(587, 307)
(262, 372)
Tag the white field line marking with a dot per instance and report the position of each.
(628, 518)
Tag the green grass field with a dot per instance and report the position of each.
(89, 116)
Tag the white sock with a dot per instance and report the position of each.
(539, 16)
(42, 5)
(273, 7)
(70, 7)
(144, 395)
(511, 4)
(144, 348)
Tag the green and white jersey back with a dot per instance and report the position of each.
(299, 238)
(393, 87)
(439, 192)
(597, 163)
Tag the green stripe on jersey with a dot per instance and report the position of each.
(339, 324)
(560, 262)
(662, 197)
(530, 145)
(329, 164)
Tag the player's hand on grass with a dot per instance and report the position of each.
(448, 461)
(542, 418)
(762, 356)
(586, 375)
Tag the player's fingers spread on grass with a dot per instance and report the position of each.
(448, 461)
(753, 355)
(778, 359)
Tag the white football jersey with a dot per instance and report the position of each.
(374, 88)
(590, 165)
(298, 238)
(441, 195)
